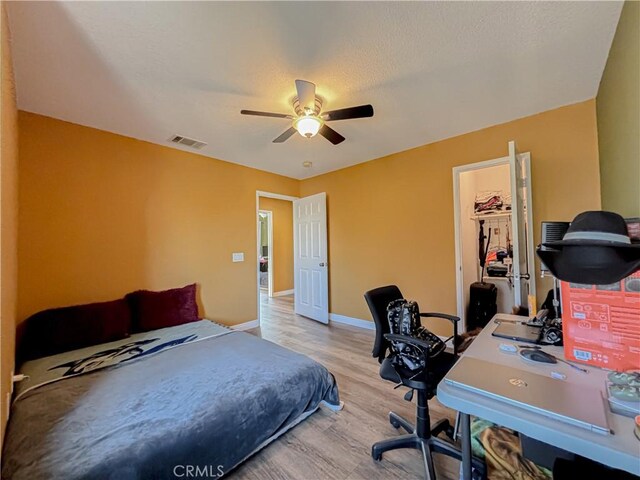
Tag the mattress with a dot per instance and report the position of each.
(198, 396)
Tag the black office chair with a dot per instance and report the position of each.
(422, 436)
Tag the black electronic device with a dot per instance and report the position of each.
(536, 355)
(517, 331)
(552, 232)
(551, 332)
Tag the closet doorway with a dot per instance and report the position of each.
(494, 225)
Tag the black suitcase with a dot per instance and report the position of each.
(483, 305)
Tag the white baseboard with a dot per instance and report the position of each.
(354, 322)
(358, 322)
(246, 325)
(283, 293)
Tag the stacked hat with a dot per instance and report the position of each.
(595, 250)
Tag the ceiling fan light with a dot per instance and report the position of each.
(308, 125)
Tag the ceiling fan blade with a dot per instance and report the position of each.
(306, 94)
(346, 113)
(331, 135)
(265, 114)
(285, 135)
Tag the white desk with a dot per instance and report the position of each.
(619, 450)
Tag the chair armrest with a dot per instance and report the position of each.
(453, 319)
(421, 344)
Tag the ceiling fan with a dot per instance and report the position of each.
(308, 121)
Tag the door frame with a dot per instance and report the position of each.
(269, 216)
(527, 228)
(457, 218)
(277, 196)
(457, 227)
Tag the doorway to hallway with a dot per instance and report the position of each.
(265, 247)
(275, 248)
(298, 257)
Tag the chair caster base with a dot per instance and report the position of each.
(427, 446)
(397, 421)
(377, 456)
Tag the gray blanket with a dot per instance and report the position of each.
(202, 407)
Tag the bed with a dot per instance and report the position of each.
(196, 397)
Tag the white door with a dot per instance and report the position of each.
(311, 271)
(522, 221)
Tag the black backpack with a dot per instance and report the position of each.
(404, 319)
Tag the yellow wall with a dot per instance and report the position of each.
(102, 215)
(391, 219)
(282, 261)
(8, 221)
(618, 105)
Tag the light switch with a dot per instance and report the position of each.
(237, 257)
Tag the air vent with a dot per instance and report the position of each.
(187, 142)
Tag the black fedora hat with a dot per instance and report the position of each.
(595, 250)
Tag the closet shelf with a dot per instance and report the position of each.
(487, 216)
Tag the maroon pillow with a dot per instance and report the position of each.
(153, 310)
(69, 328)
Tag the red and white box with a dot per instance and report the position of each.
(601, 323)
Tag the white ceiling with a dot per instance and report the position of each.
(149, 70)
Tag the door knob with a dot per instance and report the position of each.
(322, 264)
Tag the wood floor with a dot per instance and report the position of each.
(337, 445)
